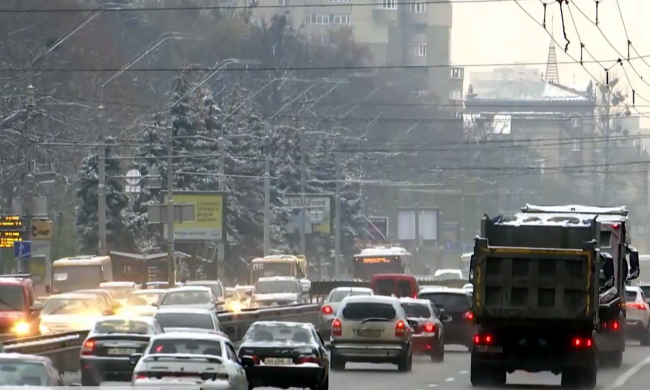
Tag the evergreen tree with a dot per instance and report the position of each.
(87, 210)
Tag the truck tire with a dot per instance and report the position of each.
(482, 375)
(615, 359)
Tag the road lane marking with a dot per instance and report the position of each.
(450, 379)
(628, 374)
(463, 372)
(433, 385)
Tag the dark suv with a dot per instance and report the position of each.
(457, 305)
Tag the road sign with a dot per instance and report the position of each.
(22, 249)
(450, 246)
(41, 230)
(11, 230)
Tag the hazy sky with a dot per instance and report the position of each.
(501, 33)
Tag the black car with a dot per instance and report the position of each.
(106, 351)
(285, 354)
(457, 305)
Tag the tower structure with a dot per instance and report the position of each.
(552, 71)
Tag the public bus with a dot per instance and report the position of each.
(278, 265)
(381, 260)
(80, 273)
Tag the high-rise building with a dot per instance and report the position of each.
(396, 33)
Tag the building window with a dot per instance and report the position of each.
(456, 94)
(576, 145)
(283, 2)
(389, 4)
(421, 50)
(418, 7)
(421, 93)
(457, 73)
(341, 19)
(576, 123)
(329, 19)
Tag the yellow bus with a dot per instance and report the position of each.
(80, 273)
(278, 265)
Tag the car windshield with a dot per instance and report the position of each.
(121, 326)
(144, 299)
(215, 287)
(416, 310)
(449, 302)
(119, 292)
(185, 320)
(20, 373)
(646, 290)
(11, 298)
(279, 333)
(69, 306)
(186, 346)
(339, 295)
(188, 297)
(362, 310)
(277, 287)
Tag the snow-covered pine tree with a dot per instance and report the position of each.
(117, 234)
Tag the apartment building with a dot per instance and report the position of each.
(396, 32)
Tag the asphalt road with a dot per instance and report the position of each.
(453, 374)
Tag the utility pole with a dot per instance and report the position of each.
(101, 185)
(605, 193)
(267, 196)
(221, 246)
(417, 239)
(171, 264)
(29, 181)
(337, 199)
(303, 181)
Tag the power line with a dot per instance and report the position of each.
(234, 7)
(314, 68)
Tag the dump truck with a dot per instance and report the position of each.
(614, 243)
(535, 301)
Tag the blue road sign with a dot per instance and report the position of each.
(468, 248)
(450, 246)
(22, 249)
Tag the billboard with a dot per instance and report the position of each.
(209, 222)
(318, 217)
(11, 230)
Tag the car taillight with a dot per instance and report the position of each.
(400, 329)
(88, 348)
(336, 327)
(430, 328)
(140, 375)
(637, 305)
(307, 359)
(582, 342)
(327, 310)
(483, 339)
(612, 325)
(469, 315)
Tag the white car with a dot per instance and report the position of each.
(71, 312)
(637, 322)
(189, 359)
(142, 303)
(448, 273)
(192, 296)
(277, 291)
(121, 291)
(331, 306)
(187, 319)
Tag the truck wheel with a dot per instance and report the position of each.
(616, 359)
(482, 375)
(588, 376)
(570, 379)
(477, 375)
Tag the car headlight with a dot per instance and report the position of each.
(21, 328)
(44, 329)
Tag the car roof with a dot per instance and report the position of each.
(370, 298)
(24, 357)
(181, 309)
(72, 296)
(150, 291)
(284, 323)
(633, 288)
(394, 276)
(424, 302)
(443, 290)
(201, 282)
(190, 336)
(361, 289)
(276, 278)
(148, 320)
(91, 291)
(117, 284)
(189, 288)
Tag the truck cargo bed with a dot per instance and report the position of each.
(535, 283)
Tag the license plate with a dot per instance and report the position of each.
(278, 361)
(488, 349)
(368, 332)
(121, 351)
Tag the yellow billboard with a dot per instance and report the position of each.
(208, 222)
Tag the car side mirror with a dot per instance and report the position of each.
(634, 264)
(108, 312)
(38, 306)
(445, 318)
(221, 302)
(472, 264)
(135, 358)
(247, 361)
